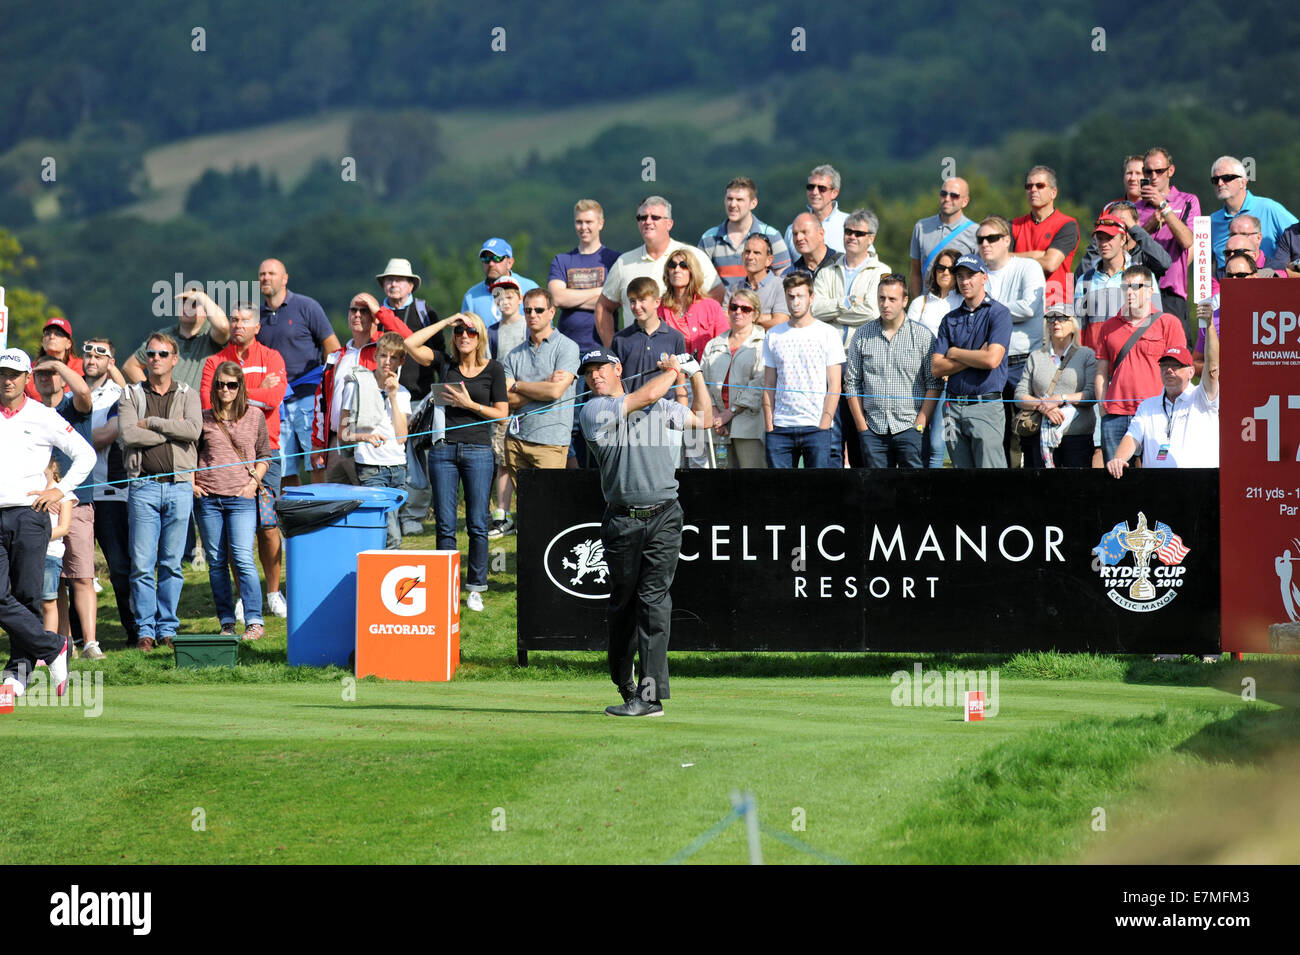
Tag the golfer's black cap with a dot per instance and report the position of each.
(597, 356)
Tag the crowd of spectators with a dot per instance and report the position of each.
(992, 349)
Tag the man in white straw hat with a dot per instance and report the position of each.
(399, 284)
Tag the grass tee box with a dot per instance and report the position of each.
(408, 614)
(195, 650)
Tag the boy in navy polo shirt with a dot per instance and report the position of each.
(971, 352)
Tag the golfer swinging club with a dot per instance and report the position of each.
(642, 528)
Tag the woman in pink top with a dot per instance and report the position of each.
(234, 453)
(686, 308)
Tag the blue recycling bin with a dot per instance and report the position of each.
(325, 526)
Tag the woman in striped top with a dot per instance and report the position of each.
(234, 453)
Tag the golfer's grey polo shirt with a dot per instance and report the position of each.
(545, 422)
(637, 454)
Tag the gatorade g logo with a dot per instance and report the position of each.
(402, 590)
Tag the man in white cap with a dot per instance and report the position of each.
(29, 432)
(399, 284)
(498, 261)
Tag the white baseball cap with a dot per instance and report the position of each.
(15, 359)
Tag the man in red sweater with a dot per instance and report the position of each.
(1047, 235)
(265, 381)
(367, 321)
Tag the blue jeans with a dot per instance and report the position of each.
(902, 450)
(228, 525)
(295, 433)
(932, 447)
(159, 516)
(1113, 429)
(785, 446)
(390, 475)
(450, 464)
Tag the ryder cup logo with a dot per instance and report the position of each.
(575, 562)
(1138, 586)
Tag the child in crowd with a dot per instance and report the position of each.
(60, 522)
(375, 412)
(503, 337)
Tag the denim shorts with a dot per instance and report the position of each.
(53, 571)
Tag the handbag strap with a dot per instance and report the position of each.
(252, 471)
(1059, 369)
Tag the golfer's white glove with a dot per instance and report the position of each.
(687, 364)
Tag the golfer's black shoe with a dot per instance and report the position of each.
(636, 707)
(627, 692)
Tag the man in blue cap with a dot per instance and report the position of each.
(498, 261)
(642, 527)
(971, 352)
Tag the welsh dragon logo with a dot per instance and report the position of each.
(591, 560)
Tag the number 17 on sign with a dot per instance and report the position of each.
(1270, 413)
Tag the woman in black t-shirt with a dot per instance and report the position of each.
(474, 390)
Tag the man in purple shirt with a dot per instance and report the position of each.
(295, 326)
(1166, 214)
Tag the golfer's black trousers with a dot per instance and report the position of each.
(642, 557)
(24, 535)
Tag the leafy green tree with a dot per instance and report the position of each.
(28, 309)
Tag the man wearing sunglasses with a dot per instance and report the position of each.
(844, 296)
(112, 528)
(1128, 354)
(654, 220)
(948, 229)
(160, 420)
(1098, 292)
(823, 188)
(498, 261)
(1046, 235)
(1167, 214)
(1228, 176)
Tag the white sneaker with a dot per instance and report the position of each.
(59, 670)
(99, 588)
(19, 687)
(93, 652)
(475, 601)
(276, 605)
(239, 610)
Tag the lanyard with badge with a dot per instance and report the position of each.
(1163, 452)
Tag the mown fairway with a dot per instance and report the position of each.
(278, 764)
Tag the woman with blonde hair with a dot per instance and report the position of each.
(1055, 397)
(733, 368)
(474, 390)
(684, 305)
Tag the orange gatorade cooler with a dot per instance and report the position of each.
(408, 614)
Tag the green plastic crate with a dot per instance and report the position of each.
(206, 650)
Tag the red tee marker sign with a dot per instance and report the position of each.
(6, 699)
(974, 706)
